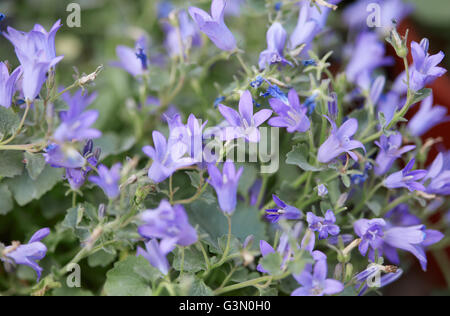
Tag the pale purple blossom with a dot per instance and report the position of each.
(108, 180)
(155, 253)
(323, 226)
(8, 84)
(438, 177)
(322, 190)
(190, 35)
(390, 150)
(225, 184)
(77, 176)
(63, 156)
(276, 40)
(283, 211)
(427, 117)
(133, 60)
(406, 178)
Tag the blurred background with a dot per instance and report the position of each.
(108, 23)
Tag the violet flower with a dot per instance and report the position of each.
(427, 117)
(76, 124)
(340, 141)
(108, 180)
(225, 184)
(291, 116)
(245, 123)
(77, 176)
(29, 253)
(439, 176)
(370, 273)
(168, 223)
(406, 178)
(167, 156)
(276, 40)
(134, 61)
(63, 156)
(322, 190)
(367, 55)
(214, 25)
(156, 254)
(8, 84)
(425, 67)
(390, 150)
(284, 211)
(322, 225)
(36, 53)
(314, 281)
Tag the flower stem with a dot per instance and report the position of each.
(22, 123)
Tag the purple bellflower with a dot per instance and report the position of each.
(63, 156)
(425, 66)
(156, 254)
(284, 211)
(322, 225)
(322, 190)
(7, 84)
(371, 272)
(367, 55)
(427, 117)
(134, 61)
(340, 141)
(439, 176)
(291, 116)
(36, 53)
(108, 180)
(29, 253)
(214, 25)
(167, 156)
(77, 176)
(245, 123)
(313, 280)
(276, 40)
(406, 178)
(168, 223)
(76, 124)
(190, 36)
(225, 184)
(390, 150)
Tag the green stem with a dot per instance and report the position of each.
(244, 66)
(22, 123)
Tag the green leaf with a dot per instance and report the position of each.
(123, 280)
(346, 180)
(272, 263)
(101, 259)
(245, 221)
(112, 144)
(66, 291)
(9, 121)
(26, 189)
(199, 288)
(6, 202)
(35, 164)
(298, 157)
(421, 94)
(193, 260)
(11, 164)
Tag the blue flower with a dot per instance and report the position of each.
(284, 211)
(406, 178)
(134, 61)
(322, 225)
(276, 40)
(8, 84)
(108, 180)
(427, 117)
(390, 150)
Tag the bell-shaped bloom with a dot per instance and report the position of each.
(77, 176)
(340, 142)
(245, 123)
(190, 35)
(323, 226)
(276, 40)
(371, 272)
(225, 184)
(108, 180)
(168, 223)
(367, 55)
(284, 211)
(425, 66)
(291, 116)
(427, 117)
(63, 156)
(322, 190)
(36, 53)
(214, 25)
(76, 124)
(371, 233)
(133, 60)
(406, 178)
(314, 281)
(167, 156)
(311, 21)
(8, 84)
(156, 253)
(390, 150)
(438, 176)
(29, 253)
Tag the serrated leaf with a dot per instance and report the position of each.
(9, 121)
(35, 164)
(11, 164)
(123, 280)
(101, 259)
(199, 288)
(421, 94)
(25, 189)
(6, 202)
(298, 157)
(272, 263)
(193, 260)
